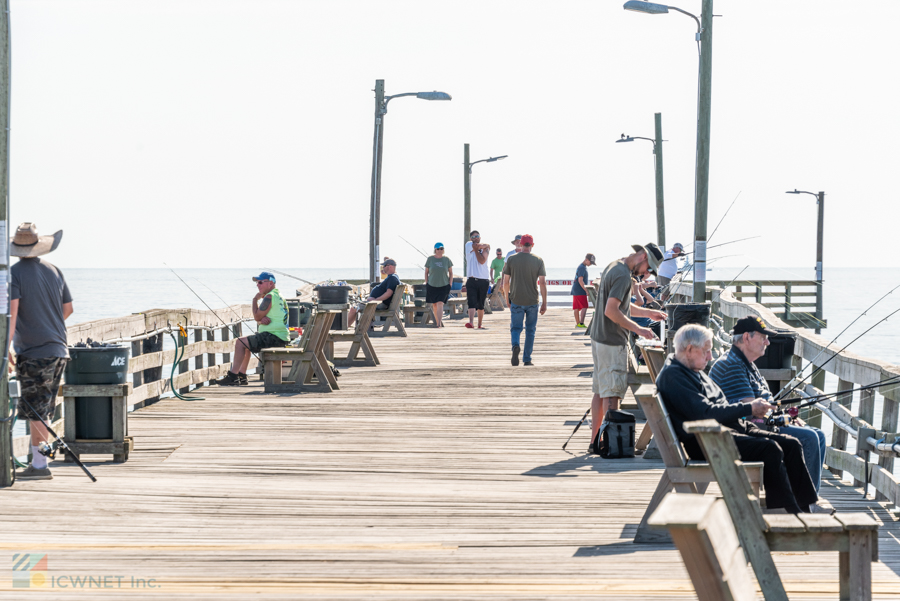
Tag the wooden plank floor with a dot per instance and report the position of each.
(438, 475)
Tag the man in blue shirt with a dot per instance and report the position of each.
(741, 382)
(382, 292)
(579, 290)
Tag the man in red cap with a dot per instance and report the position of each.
(520, 275)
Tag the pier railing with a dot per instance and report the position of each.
(845, 453)
(206, 357)
(797, 303)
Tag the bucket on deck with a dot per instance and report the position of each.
(456, 284)
(684, 313)
(95, 365)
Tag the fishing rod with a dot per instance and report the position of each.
(724, 288)
(291, 276)
(49, 450)
(715, 229)
(211, 310)
(411, 244)
(858, 317)
(227, 306)
(812, 400)
(819, 368)
(581, 421)
(723, 244)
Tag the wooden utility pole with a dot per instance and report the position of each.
(660, 204)
(467, 202)
(5, 430)
(701, 184)
(375, 204)
(820, 230)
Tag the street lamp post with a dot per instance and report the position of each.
(658, 161)
(467, 195)
(820, 230)
(381, 102)
(704, 101)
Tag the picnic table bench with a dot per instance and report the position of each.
(307, 361)
(358, 337)
(391, 315)
(424, 313)
(458, 307)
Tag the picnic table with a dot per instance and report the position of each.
(358, 338)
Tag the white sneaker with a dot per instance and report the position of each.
(822, 506)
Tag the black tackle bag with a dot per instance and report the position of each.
(615, 439)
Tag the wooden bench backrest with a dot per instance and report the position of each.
(655, 358)
(661, 425)
(397, 298)
(365, 318)
(710, 548)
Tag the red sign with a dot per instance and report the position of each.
(559, 282)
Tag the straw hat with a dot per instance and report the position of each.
(26, 243)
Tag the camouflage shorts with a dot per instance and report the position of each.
(39, 384)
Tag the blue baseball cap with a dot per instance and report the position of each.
(264, 277)
(438, 245)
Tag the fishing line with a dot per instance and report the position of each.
(411, 244)
(724, 216)
(227, 306)
(810, 400)
(729, 284)
(291, 276)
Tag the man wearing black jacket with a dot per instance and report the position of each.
(690, 395)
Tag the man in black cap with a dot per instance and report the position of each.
(382, 292)
(610, 327)
(39, 304)
(741, 382)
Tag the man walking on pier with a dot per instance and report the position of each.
(610, 326)
(39, 303)
(271, 313)
(579, 290)
(479, 277)
(520, 274)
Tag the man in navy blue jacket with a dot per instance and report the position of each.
(690, 395)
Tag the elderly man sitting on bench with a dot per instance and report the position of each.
(382, 292)
(740, 381)
(689, 395)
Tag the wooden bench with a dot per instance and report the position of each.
(359, 341)
(853, 535)
(458, 307)
(391, 315)
(681, 474)
(307, 361)
(425, 314)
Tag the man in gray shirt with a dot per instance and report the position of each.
(39, 304)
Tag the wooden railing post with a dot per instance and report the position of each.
(136, 351)
(866, 414)
(818, 381)
(889, 414)
(210, 357)
(153, 344)
(787, 302)
(226, 335)
(758, 292)
(839, 436)
(198, 360)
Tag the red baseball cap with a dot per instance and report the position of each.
(527, 239)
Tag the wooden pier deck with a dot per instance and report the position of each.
(437, 475)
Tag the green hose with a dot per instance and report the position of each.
(179, 353)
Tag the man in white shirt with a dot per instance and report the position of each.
(479, 277)
(669, 266)
(517, 242)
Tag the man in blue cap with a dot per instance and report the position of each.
(271, 313)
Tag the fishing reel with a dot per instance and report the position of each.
(780, 420)
(49, 450)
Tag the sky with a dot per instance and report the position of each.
(239, 134)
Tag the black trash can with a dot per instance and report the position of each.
(95, 365)
(419, 295)
(684, 313)
(333, 295)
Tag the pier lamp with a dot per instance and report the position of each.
(704, 99)
(381, 104)
(467, 194)
(820, 229)
(658, 164)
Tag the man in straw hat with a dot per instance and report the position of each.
(611, 324)
(39, 304)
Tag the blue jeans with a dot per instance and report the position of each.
(813, 442)
(529, 314)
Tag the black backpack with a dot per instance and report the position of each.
(615, 439)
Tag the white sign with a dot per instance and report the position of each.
(4, 244)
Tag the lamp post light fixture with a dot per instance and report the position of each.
(658, 164)
(381, 105)
(467, 195)
(820, 230)
(704, 99)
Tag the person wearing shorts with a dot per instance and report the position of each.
(40, 302)
(438, 275)
(271, 314)
(479, 277)
(610, 327)
(579, 290)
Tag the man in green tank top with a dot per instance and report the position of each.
(271, 313)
